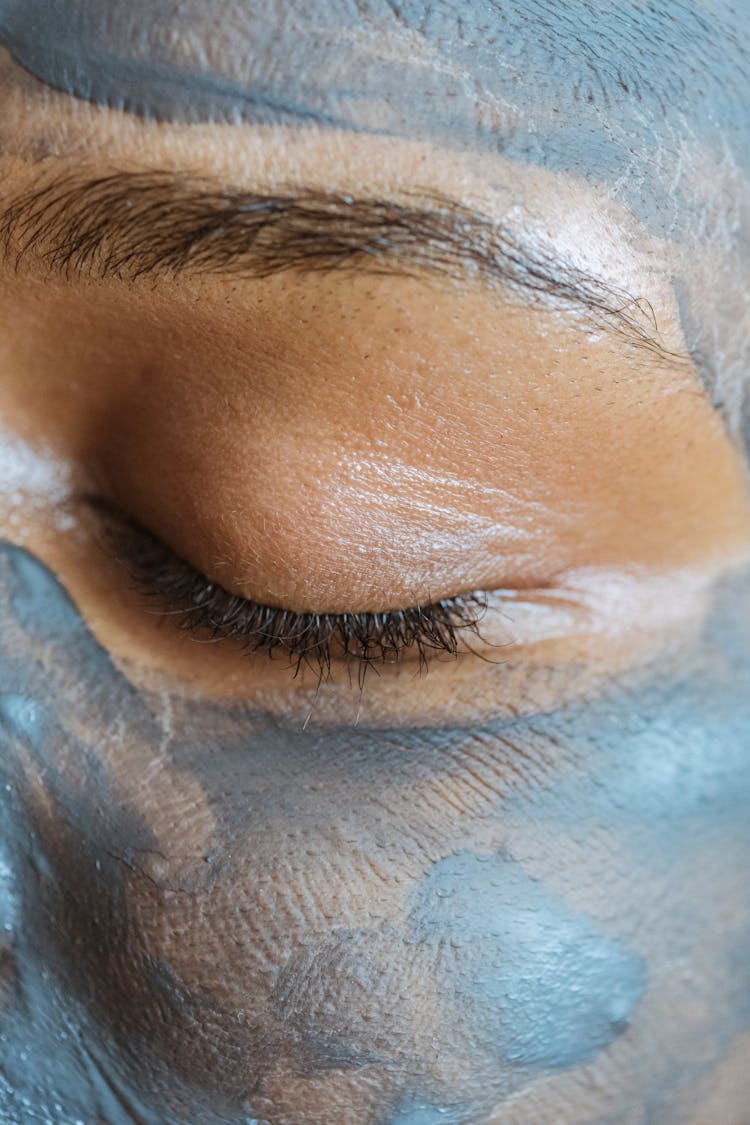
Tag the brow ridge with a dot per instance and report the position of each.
(130, 225)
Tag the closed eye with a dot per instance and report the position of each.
(316, 640)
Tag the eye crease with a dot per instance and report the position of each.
(314, 640)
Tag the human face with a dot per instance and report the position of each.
(357, 308)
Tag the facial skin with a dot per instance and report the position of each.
(513, 889)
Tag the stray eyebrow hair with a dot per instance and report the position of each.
(130, 225)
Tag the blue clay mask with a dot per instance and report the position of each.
(153, 851)
(469, 74)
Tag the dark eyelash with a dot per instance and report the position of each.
(312, 639)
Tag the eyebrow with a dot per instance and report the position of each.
(131, 225)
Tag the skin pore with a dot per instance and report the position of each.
(511, 889)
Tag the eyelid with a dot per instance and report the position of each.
(317, 640)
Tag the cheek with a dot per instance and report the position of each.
(406, 919)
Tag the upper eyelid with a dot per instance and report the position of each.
(368, 637)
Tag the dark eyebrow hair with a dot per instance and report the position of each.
(130, 225)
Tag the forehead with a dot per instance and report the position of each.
(470, 72)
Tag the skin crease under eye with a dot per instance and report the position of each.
(541, 912)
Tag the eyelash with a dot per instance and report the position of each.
(314, 640)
